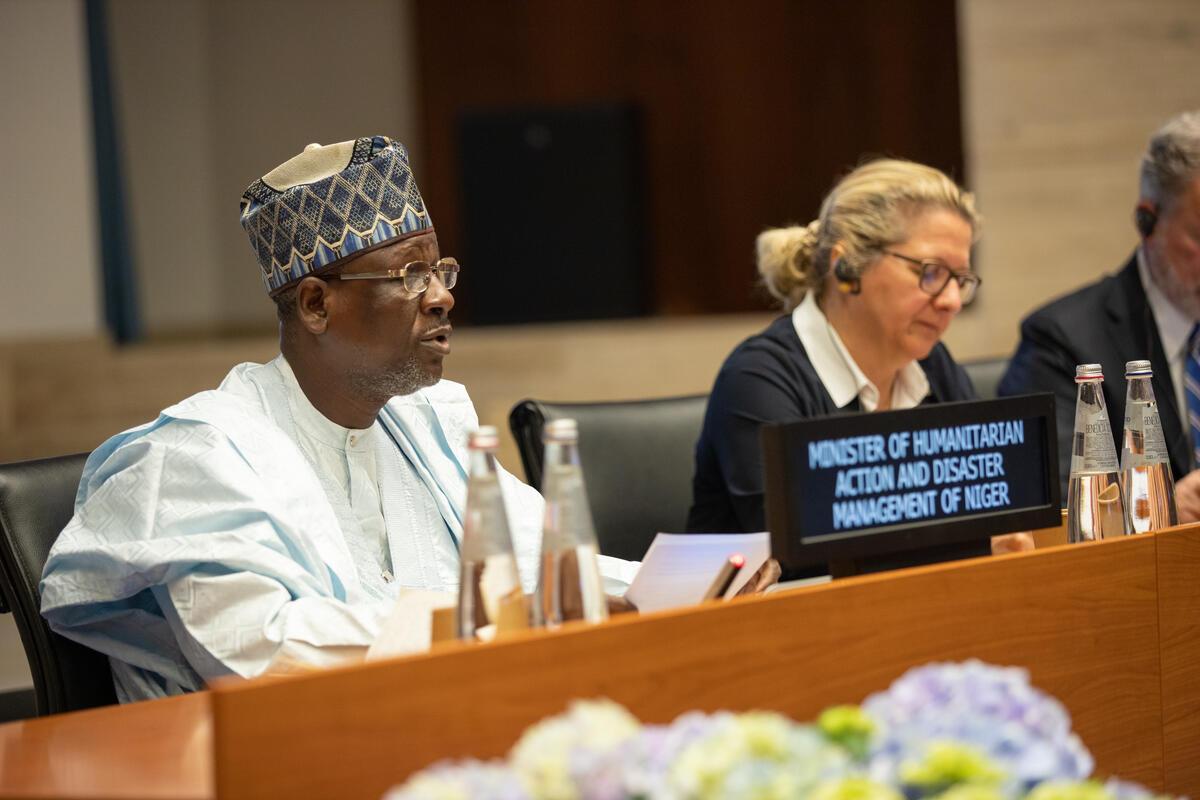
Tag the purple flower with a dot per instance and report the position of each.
(1024, 731)
(573, 754)
(647, 759)
(1127, 790)
(965, 731)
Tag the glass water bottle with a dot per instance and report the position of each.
(489, 589)
(1146, 479)
(569, 585)
(1095, 509)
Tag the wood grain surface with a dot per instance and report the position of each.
(1082, 619)
(145, 751)
(1178, 554)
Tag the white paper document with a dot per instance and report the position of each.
(679, 567)
(409, 629)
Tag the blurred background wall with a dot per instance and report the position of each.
(743, 119)
(50, 263)
(1059, 100)
(212, 94)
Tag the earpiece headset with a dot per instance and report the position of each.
(1145, 218)
(847, 281)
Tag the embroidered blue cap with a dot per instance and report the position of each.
(329, 202)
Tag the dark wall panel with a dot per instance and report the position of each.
(551, 208)
(748, 112)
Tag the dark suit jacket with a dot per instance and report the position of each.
(1107, 323)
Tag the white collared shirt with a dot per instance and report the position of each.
(840, 373)
(1173, 329)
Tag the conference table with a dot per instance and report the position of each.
(1110, 628)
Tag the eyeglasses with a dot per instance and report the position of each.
(417, 275)
(936, 276)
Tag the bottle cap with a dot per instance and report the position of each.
(561, 430)
(485, 438)
(1137, 369)
(1089, 372)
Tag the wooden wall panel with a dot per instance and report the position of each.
(750, 112)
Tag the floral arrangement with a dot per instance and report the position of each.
(966, 731)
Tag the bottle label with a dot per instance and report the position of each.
(1092, 447)
(1144, 443)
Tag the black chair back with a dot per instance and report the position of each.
(637, 458)
(37, 500)
(985, 374)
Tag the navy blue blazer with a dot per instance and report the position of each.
(1108, 323)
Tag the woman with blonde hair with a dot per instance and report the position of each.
(870, 288)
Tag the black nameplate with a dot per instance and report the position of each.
(855, 486)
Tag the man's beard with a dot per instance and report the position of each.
(1185, 298)
(410, 377)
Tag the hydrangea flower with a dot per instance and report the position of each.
(760, 755)
(559, 755)
(1127, 790)
(1023, 731)
(463, 780)
(1070, 790)
(941, 732)
(974, 791)
(1092, 790)
(646, 761)
(854, 789)
(848, 726)
(947, 764)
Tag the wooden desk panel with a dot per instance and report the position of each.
(147, 751)
(1179, 632)
(1052, 537)
(1082, 619)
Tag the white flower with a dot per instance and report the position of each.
(760, 755)
(461, 780)
(543, 755)
(430, 787)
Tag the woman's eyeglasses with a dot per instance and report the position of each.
(935, 277)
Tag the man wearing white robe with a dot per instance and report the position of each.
(274, 519)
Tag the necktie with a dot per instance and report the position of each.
(1191, 383)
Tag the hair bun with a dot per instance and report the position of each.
(785, 259)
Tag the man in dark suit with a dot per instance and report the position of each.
(1148, 310)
